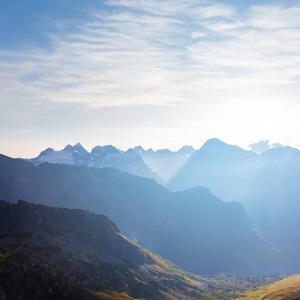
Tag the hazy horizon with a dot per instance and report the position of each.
(263, 145)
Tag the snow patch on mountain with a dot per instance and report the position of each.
(55, 157)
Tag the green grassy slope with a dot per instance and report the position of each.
(285, 289)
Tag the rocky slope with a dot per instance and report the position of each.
(58, 253)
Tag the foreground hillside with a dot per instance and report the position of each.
(57, 253)
(192, 228)
(285, 289)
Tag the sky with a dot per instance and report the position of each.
(160, 74)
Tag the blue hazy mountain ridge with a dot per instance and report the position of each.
(272, 199)
(266, 184)
(192, 228)
(100, 157)
(226, 169)
(161, 165)
(223, 168)
(278, 155)
(164, 162)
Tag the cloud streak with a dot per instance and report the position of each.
(152, 53)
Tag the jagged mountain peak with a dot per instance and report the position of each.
(186, 149)
(46, 152)
(100, 157)
(105, 149)
(76, 148)
(68, 147)
(164, 151)
(218, 166)
(214, 142)
(150, 150)
(138, 149)
(215, 146)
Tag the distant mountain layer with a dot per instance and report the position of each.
(160, 165)
(100, 157)
(266, 184)
(192, 228)
(58, 253)
(165, 162)
(226, 169)
(223, 168)
(273, 200)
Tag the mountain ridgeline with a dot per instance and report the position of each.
(192, 228)
(160, 165)
(273, 201)
(267, 185)
(100, 157)
(226, 169)
(219, 167)
(189, 226)
(165, 162)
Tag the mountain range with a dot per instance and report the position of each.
(226, 169)
(266, 184)
(99, 157)
(223, 168)
(273, 201)
(165, 162)
(192, 228)
(160, 165)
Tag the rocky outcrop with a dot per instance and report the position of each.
(58, 253)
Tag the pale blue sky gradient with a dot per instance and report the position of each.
(161, 74)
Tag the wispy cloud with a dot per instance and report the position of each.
(156, 53)
(274, 17)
